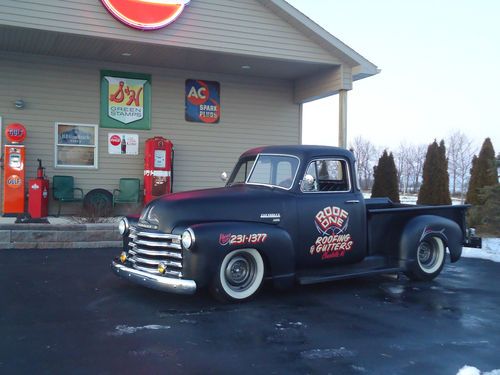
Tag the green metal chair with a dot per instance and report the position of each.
(63, 190)
(129, 191)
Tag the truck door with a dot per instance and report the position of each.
(332, 216)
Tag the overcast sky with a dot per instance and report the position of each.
(440, 63)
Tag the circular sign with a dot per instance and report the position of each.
(14, 181)
(115, 140)
(146, 14)
(15, 132)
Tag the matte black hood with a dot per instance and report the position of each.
(235, 203)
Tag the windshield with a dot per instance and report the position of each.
(274, 170)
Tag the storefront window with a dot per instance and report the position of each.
(75, 145)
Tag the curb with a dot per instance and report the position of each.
(59, 236)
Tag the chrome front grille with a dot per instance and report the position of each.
(148, 248)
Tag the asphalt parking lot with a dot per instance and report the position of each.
(65, 312)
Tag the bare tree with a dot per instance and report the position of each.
(418, 157)
(366, 155)
(459, 153)
(402, 165)
(409, 162)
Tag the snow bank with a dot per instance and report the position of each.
(470, 370)
(490, 250)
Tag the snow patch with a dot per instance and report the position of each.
(490, 250)
(287, 325)
(127, 330)
(327, 353)
(470, 370)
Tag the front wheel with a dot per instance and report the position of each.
(429, 259)
(240, 276)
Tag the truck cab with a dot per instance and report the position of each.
(287, 214)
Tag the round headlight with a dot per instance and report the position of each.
(123, 226)
(188, 239)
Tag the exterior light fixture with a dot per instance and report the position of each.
(188, 239)
(19, 104)
(162, 267)
(123, 226)
(246, 67)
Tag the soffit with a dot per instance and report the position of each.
(50, 43)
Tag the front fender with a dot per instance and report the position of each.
(424, 226)
(213, 241)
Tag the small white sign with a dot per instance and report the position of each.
(123, 144)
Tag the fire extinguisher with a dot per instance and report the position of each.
(40, 171)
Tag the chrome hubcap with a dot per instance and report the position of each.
(240, 273)
(427, 255)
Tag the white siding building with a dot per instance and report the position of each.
(268, 58)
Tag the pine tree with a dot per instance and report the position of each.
(436, 180)
(386, 178)
(483, 172)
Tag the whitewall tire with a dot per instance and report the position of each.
(239, 276)
(429, 259)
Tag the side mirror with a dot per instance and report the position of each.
(308, 183)
(224, 176)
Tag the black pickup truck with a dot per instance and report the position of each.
(287, 214)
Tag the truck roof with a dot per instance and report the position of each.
(301, 151)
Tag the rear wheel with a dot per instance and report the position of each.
(239, 276)
(429, 259)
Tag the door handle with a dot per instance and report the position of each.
(352, 201)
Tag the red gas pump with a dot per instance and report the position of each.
(158, 162)
(14, 162)
(38, 199)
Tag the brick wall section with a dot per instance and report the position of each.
(51, 236)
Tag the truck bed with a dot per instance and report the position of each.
(386, 220)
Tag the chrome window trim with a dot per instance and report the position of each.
(274, 186)
(349, 190)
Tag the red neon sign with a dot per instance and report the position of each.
(146, 14)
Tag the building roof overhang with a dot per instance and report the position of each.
(362, 67)
(312, 78)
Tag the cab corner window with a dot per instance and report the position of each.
(241, 171)
(326, 176)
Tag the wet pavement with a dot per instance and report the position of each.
(65, 312)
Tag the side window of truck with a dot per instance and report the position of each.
(330, 175)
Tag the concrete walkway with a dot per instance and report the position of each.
(59, 233)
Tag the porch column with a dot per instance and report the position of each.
(343, 118)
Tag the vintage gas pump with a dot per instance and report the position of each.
(14, 173)
(158, 162)
(38, 198)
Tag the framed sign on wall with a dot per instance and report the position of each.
(123, 144)
(75, 145)
(202, 101)
(125, 100)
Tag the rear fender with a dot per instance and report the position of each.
(425, 226)
(215, 240)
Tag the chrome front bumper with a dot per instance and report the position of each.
(162, 283)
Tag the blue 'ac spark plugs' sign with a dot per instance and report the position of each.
(202, 101)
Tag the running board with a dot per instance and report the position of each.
(306, 280)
